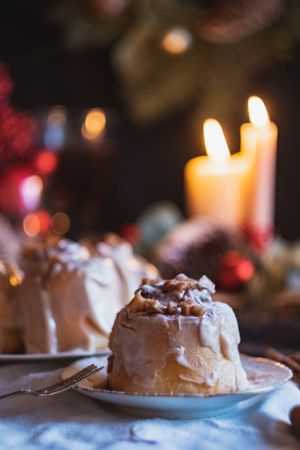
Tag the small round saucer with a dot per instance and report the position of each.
(264, 375)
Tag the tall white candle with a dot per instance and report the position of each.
(259, 143)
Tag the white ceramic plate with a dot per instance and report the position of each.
(74, 354)
(264, 375)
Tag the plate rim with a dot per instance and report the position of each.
(58, 355)
(227, 394)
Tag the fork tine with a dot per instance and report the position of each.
(69, 385)
(57, 388)
(76, 380)
(69, 381)
(65, 387)
(73, 379)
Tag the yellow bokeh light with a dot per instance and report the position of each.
(15, 280)
(60, 223)
(94, 124)
(215, 142)
(176, 41)
(31, 225)
(258, 113)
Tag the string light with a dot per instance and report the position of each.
(176, 41)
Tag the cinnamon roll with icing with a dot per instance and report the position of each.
(72, 292)
(173, 339)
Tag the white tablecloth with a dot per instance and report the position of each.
(72, 421)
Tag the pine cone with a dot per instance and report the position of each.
(195, 247)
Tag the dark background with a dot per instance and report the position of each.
(147, 162)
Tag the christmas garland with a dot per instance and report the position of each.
(168, 53)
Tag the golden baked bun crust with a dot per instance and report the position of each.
(10, 331)
(173, 339)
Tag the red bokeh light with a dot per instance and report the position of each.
(46, 162)
(44, 219)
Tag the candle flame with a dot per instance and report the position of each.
(258, 114)
(215, 142)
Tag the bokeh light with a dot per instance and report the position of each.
(15, 279)
(176, 41)
(30, 190)
(44, 219)
(60, 223)
(31, 225)
(46, 162)
(56, 115)
(94, 124)
(54, 134)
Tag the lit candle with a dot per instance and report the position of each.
(216, 184)
(258, 143)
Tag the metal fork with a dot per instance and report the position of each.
(57, 388)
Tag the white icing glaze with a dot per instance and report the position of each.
(38, 257)
(37, 318)
(219, 331)
(205, 349)
(178, 353)
(50, 323)
(131, 268)
(76, 305)
(189, 379)
(70, 296)
(211, 379)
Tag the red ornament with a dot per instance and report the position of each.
(257, 238)
(234, 272)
